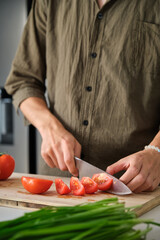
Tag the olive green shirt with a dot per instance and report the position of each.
(101, 68)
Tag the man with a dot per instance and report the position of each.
(101, 60)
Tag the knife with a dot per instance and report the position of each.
(87, 170)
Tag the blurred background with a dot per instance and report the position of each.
(22, 142)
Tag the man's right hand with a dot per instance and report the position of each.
(58, 145)
(59, 148)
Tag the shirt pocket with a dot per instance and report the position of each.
(146, 48)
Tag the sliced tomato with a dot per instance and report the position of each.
(76, 187)
(89, 184)
(61, 187)
(36, 185)
(103, 180)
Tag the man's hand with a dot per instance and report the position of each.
(59, 148)
(142, 170)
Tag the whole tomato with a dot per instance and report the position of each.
(7, 165)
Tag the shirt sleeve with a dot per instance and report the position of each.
(28, 71)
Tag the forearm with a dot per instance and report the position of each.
(37, 112)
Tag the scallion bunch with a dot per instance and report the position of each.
(106, 219)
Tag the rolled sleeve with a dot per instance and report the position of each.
(25, 93)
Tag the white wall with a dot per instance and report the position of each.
(13, 16)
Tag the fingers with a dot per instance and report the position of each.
(49, 162)
(139, 177)
(155, 184)
(69, 159)
(125, 164)
(61, 154)
(146, 185)
(117, 167)
(60, 159)
(142, 171)
(132, 173)
(49, 158)
(143, 185)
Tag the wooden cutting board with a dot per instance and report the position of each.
(13, 194)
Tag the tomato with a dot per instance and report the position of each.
(76, 186)
(36, 185)
(89, 184)
(7, 165)
(61, 187)
(103, 180)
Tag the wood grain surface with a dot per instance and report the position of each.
(13, 194)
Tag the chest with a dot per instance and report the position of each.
(101, 3)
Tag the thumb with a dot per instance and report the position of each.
(117, 167)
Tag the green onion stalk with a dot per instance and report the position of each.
(106, 219)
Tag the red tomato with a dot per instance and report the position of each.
(61, 187)
(76, 187)
(7, 165)
(36, 185)
(103, 180)
(89, 185)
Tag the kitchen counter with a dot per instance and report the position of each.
(7, 213)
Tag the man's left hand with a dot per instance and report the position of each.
(142, 170)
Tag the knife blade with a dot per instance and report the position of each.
(87, 170)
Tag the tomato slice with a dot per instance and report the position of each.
(36, 185)
(89, 184)
(103, 180)
(76, 187)
(61, 187)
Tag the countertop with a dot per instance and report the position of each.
(7, 213)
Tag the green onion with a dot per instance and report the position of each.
(105, 219)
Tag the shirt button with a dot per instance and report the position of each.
(85, 122)
(89, 88)
(94, 55)
(100, 15)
